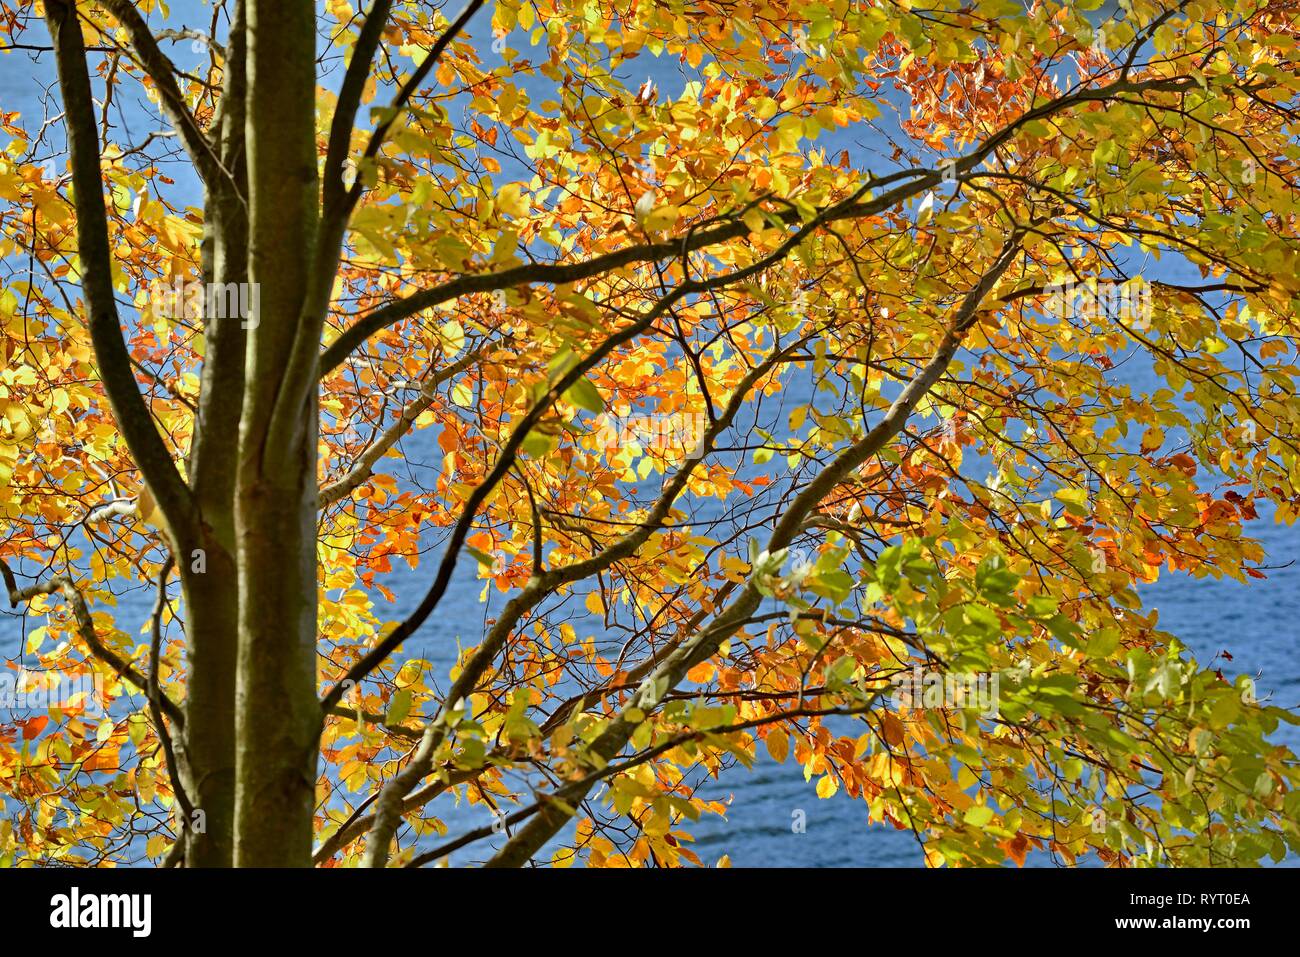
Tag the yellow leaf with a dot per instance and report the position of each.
(511, 201)
(700, 673)
(778, 744)
(827, 786)
(1075, 499)
(661, 218)
(925, 210)
(146, 510)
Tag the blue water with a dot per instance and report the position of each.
(1255, 623)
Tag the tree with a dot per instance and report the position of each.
(710, 405)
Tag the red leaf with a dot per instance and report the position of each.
(34, 726)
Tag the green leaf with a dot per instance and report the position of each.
(1102, 644)
(136, 727)
(538, 444)
(399, 707)
(585, 395)
(835, 585)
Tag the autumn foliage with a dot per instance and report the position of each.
(757, 354)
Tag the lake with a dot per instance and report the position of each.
(1258, 624)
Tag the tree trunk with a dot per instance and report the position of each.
(210, 576)
(278, 713)
(207, 744)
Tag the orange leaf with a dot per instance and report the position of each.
(1016, 848)
(893, 730)
(700, 673)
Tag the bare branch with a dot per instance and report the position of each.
(163, 73)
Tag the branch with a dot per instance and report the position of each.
(583, 785)
(129, 409)
(214, 445)
(163, 73)
(63, 585)
(118, 508)
(562, 273)
(550, 817)
(359, 823)
(364, 466)
(198, 35)
(345, 111)
(156, 697)
(404, 95)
